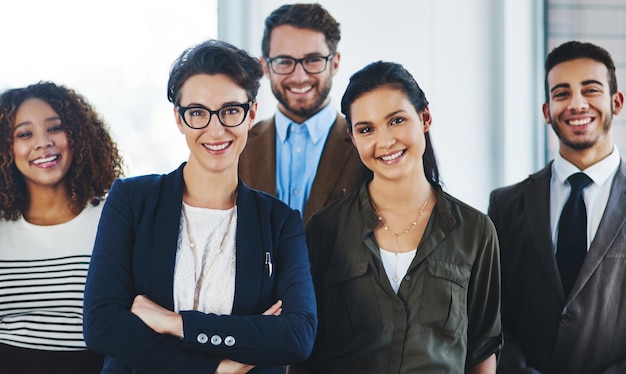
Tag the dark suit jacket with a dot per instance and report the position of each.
(337, 174)
(135, 253)
(545, 330)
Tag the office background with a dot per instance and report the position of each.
(479, 62)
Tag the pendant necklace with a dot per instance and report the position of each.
(199, 278)
(396, 235)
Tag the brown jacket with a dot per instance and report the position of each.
(337, 173)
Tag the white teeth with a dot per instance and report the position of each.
(44, 160)
(300, 90)
(217, 147)
(580, 122)
(392, 157)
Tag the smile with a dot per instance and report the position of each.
(392, 156)
(44, 160)
(217, 147)
(300, 90)
(580, 122)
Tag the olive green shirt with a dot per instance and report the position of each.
(445, 317)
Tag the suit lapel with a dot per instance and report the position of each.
(250, 261)
(611, 224)
(331, 166)
(537, 205)
(167, 222)
(260, 159)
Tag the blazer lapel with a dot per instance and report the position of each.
(331, 166)
(537, 205)
(167, 222)
(611, 224)
(250, 261)
(260, 159)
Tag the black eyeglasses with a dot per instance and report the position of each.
(284, 65)
(198, 117)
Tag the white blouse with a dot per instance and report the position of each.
(213, 232)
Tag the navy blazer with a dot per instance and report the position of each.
(134, 254)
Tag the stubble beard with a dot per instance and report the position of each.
(585, 143)
(303, 110)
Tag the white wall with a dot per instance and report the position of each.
(476, 60)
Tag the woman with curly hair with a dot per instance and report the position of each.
(57, 162)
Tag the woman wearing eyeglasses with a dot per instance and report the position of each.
(193, 272)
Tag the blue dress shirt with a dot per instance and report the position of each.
(298, 151)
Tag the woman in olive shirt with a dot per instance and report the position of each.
(406, 276)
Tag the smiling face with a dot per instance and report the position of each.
(40, 145)
(300, 95)
(215, 148)
(388, 133)
(581, 108)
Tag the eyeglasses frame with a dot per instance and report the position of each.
(245, 106)
(300, 61)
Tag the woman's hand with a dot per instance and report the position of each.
(159, 319)
(274, 310)
(486, 367)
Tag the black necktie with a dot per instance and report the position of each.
(571, 247)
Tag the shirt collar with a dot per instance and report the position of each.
(599, 172)
(318, 125)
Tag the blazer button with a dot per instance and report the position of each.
(202, 338)
(229, 341)
(565, 318)
(216, 340)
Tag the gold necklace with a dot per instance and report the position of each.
(199, 278)
(395, 277)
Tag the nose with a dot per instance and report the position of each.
(215, 127)
(578, 102)
(385, 138)
(43, 140)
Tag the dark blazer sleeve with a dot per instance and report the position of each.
(109, 326)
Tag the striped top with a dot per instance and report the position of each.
(42, 279)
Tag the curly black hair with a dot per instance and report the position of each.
(96, 162)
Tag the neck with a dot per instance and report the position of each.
(392, 195)
(585, 158)
(48, 206)
(209, 190)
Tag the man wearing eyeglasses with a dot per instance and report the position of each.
(303, 154)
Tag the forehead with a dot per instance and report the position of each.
(34, 107)
(379, 103)
(296, 42)
(575, 72)
(212, 90)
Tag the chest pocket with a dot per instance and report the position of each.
(444, 297)
(350, 297)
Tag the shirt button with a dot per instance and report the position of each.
(298, 150)
(202, 338)
(229, 341)
(565, 318)
(295, 192)
(407, 278)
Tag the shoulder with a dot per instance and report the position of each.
(340, 212)
(466, 213)
(262, 127)
(515, 191)
(268, 206)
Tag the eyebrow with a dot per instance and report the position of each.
(388, 116)
(585, 83)
(49, 119)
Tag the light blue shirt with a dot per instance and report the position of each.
(298, 151)
(596, 195)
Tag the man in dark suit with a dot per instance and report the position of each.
(565, 312)
(303, 154)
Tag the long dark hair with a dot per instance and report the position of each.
(390, 74)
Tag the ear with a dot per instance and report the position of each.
(546, 112)
(335, 63)
(427, 119)
(265, 67)
(179, 121)
(252, 113)
(618, 102)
